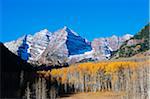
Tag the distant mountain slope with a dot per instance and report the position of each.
(14, 45)
(113, 43)
(45, 47)
(40, 41)
(37, 44)
(137, 44)
(63, 44)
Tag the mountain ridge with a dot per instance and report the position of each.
(137, 44)
(65, 45)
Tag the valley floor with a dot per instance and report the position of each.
(102, 95)
(91, 95)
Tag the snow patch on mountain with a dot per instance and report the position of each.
(39, 43)
(79, 57)
(103, 47)
(14, 45)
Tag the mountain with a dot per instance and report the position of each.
(48, 48)
(64, 43)
(139, 43)
(37, 44)
(66, 46)
(14, 45)
(104, 47)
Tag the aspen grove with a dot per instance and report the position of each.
(130, 77)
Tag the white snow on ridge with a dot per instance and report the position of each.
(66, 44)
(80, 57)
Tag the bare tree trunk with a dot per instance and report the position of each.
(52, 93)
(21, 77)
(28, 92)
(141, 81)
(43, 89)
(148, 82)
(38, 89)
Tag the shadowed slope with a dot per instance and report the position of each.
(11, 68)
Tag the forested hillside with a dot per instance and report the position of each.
(137, 44)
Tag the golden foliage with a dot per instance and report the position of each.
(92, 74)
(90, 68)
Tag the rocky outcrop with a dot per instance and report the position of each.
(139, 43)
(64, 43)
(37, 44)
(40, 41)
(113, 43)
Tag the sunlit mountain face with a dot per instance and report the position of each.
(65, 45)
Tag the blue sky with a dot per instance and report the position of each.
(89, 18)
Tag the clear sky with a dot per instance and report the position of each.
(89, 18)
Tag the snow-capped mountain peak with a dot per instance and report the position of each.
(37, 44)
(45, 30)
(68, 30)
(127, 36)
(42, 33)
(64, 28)
(65, 42)
(66, 45)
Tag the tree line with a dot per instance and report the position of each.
(129, 77)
